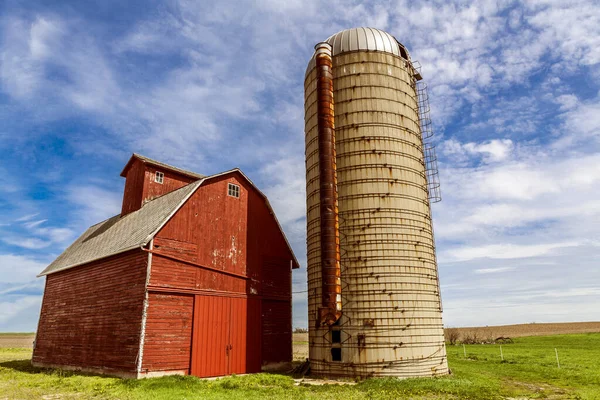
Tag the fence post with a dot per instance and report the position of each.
(501, 355)
(557, 362)
(464, 351)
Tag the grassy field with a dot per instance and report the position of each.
(528, 371)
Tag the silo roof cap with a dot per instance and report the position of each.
(368, 39)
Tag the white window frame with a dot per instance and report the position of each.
(233, 190)
(159, 177)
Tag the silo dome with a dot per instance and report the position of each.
(363, 39)
(373, 287)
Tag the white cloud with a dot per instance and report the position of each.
(493, 270)
(94, 204)
(34, 235)
(567, 101)
(27, 243)
(19, 269)
(27, 46)
(18, 289)
(492, 151)
(495, 150)
(574, 29)
(33, 224)
(27, 217)
(19, 314)
(287, 188)
(584, 119)
(503, 251)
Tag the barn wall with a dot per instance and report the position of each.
(91, 315)
(277, 331)
(269, 258)
(173, 275)
(264, 236)
(168, 338)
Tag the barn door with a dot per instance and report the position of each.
(219, 336)
(237, 337)
(210, 336)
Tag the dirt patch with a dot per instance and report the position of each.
(17, 341)
(541, 390)
(320, 382)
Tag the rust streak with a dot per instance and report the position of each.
(330, 237)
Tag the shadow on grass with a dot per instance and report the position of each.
(22, 366)
(25, 366)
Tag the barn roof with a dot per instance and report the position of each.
(150, 161)
(119, 234)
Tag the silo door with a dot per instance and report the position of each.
(219, 336)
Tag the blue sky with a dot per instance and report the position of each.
(514, 89)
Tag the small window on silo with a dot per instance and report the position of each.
(336, 336)
(159, 177)
(336, 354)
(233, 190)
(403, 52)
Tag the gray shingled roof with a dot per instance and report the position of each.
(119, 234)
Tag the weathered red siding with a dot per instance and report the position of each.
(91, 315)
(168, 336)
(277, 331)
(270, 258)
(175, 275)
(172, 181)
(214, 223)
(140, 185)
(254, 335)
(134, 188)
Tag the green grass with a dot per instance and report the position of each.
(528, 371)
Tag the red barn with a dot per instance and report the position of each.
(193, 277)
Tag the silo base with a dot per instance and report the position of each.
(396, 369)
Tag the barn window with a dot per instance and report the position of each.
(233, 190)
(159, 177)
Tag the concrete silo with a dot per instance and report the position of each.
(373, 287)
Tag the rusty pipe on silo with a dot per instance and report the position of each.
(331, 309)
